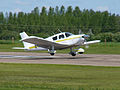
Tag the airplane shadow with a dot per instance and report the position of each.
(44, 57)
(55, 58)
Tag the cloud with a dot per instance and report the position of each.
(102, 8)
(21, 2)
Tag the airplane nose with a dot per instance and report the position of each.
(85, 36)
(83, 39)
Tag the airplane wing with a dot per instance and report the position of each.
(44, 43)
(91, 42)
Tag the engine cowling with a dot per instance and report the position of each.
(80, 51)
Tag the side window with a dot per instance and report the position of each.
(67, 35)
(55, 38)
(61, 36)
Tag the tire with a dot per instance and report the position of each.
(80, 52)
(73, 53)
(52, 54)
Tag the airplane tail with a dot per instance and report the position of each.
(23, 35)
(26, 45)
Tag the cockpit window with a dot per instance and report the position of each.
(61, 36)
(68, 34)
(55, 38)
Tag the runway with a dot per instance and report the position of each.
(45, 58)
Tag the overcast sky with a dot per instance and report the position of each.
(113, 6)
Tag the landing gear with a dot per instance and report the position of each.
(52, 52)
(73, 53)
(80, 51)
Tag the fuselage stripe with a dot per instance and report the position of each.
(67, 39)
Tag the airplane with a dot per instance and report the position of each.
(62, 40)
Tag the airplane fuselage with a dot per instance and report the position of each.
(67, 39)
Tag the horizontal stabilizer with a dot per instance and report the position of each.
(31, 48)
(91, 42)
(18, 48)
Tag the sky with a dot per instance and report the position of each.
(113, 6)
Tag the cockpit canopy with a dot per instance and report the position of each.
(62, 36)
(67, 34)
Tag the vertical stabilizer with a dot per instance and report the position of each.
(23, 35)
(26, 45)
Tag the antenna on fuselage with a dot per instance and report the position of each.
(53, 33)
(47, 35)
(90, 32)
(59, 30)
(80, 31)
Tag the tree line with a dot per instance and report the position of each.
(47, 21)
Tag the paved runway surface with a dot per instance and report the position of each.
(45, 58)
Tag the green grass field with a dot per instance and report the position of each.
(102, 48)
(99, 48)
(58, 77)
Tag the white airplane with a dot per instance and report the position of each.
(58, 41)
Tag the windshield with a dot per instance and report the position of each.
(67, 34)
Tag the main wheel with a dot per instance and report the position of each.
(73, 53)
(80, 52)
(52, 54)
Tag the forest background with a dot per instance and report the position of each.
(104, 25)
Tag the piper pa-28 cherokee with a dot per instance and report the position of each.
(58, 41)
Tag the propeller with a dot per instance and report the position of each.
(80, 31)
(86, 46)
(85, 37)
(85, 40)
(90, 32)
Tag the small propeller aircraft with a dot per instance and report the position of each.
(58, 41)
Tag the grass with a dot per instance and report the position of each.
(99, 48)
(102, 48)
(58, 77)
